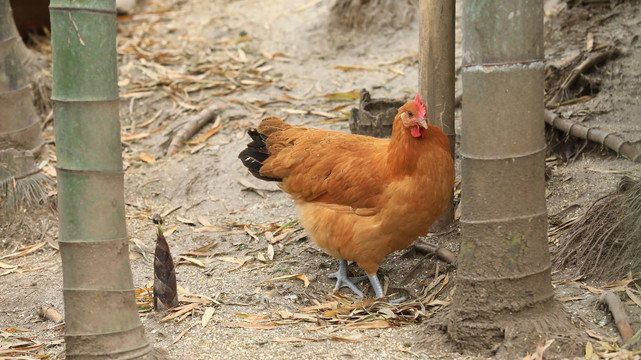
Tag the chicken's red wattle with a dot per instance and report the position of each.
(418, 131)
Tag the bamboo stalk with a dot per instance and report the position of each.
(20, 125)
(101, 316)
(504, 263)
(21, 183)
(436, 74)
(607, 139)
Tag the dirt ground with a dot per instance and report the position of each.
(231, 233)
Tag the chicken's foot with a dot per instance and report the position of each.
(378, 289)
(342, 280)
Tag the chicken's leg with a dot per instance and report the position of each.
(343, 280)
(378, 289)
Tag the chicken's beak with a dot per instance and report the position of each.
(423, 123)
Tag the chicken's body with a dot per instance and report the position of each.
(359, 198)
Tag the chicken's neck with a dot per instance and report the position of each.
(405, 152)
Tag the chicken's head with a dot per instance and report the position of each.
(414, 117)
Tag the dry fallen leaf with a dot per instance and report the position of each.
(270, 252)
(594, 335)
(324, 306)
(147, 158)
(342, 96)
(354, 68)
(25, 250)
(633, 297)
(211, 228)
(267, 326)
(8, 271)
(190, 260)
(203, 221)
(589, 352)
(185, 220)
(232, 259)
(252, 234)
(130, 137)
(182, 333)
(171, 230)
(240, 262)
(165, 213)
(180, 311)
(7, 266)
(396, 70)
(589, 42)
(593, 290)
(288, 277)
(150, 121)
(252, 318)
(295, 339)
(205, 248)
(353, 337)
(373, 324)
(280, 237)
(209, 312)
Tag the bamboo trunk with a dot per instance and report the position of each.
(100, 310)
(504, 262)
(19, 123)
(21, 183)
(436, 74)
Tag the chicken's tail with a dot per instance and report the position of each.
(256, 152)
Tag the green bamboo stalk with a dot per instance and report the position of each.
(504, 263)
(100, 310)
(436, 74)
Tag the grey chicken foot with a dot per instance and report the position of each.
(342, 280)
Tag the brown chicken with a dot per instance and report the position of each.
(359, 198)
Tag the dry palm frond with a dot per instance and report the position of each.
(22, 184)
(606, 241)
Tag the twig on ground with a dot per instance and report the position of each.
(618, 313)
(441, 253)
(607, 139)
(192, 126)
(585, 66)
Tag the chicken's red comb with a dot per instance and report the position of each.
(422, 112)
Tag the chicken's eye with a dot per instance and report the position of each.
(410, 113)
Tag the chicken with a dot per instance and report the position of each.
(359, 198)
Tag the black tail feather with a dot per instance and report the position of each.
(255, 154)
